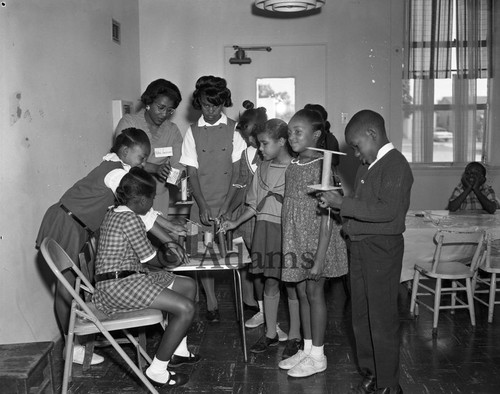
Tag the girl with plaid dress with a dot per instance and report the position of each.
(80, 211)
(129, 276)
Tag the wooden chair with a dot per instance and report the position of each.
(438, 270)
(86, 319)
(486, 279)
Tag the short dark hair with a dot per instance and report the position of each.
(322, 111)
(162, 87)
(134, 184)
(366, 119)
(317, 123)
(251, 114)
(129, 138)
(331, 142)
(478, 165)
(275, 128)
(214, 89)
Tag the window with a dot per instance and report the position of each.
(445, 82)
(277, 95)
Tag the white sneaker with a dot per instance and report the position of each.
(307, 367)
(281, 334)
(255, 321)
(291, 362)
(79, 354)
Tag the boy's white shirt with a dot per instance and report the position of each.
(382, 152)
(112, 180)
(189, 157)
(124, 208)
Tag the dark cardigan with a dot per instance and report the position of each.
(381, 198)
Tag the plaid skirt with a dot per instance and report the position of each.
(134, 292)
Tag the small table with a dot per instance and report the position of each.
(26, 368)
(421, 226)
(210, 259)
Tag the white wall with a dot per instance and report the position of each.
(59, 56)
(183, 40)
(362, 54)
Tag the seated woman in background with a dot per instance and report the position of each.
(473, 193)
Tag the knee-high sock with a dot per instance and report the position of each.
(271, 313)
(294, 310)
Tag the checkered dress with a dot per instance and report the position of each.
(123, 245)
(471, 202)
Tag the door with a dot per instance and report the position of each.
(304, 64)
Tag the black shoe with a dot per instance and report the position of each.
(292, 346)
(175, 379)
(390, 390)
(254, 309)
(264, 343)
(367, 385)
(213, 316)
(176, 361)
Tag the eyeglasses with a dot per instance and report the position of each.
(162, 108)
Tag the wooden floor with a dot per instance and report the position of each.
(460, 360)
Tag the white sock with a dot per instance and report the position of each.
(182, 349)
(261, 306)
(158, 371)
(308, 345)
(317, 352)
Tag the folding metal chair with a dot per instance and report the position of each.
(86, 319)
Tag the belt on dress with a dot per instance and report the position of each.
(115, 275)
(76, 218)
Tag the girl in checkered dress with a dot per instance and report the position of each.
(129, 276)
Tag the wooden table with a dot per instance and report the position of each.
(421, 226)
(210, 259)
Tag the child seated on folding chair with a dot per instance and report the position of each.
(129, 276)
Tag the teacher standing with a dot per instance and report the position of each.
(159, 102)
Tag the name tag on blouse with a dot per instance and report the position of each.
(164, 151)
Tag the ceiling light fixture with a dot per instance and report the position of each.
(289, 5)
(240, 56)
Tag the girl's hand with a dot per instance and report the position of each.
(178, 229)
(223, 211)
(316, 271)
(206, 216)
(330, 198)
(171, 255)
(164, 171)
(229, 225)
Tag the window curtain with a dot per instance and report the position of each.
(473, 29)
(431, 52)
(429, 39)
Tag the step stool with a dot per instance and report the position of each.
(26, 368)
